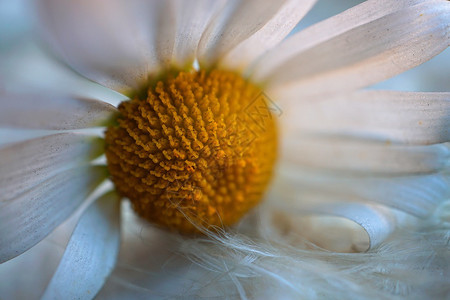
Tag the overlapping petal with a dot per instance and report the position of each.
(418, 195)
(44, 257)
(16, 272)
(191, 19)
(27, 164)
(30, 69)
(392, 117)
(331, 27)
(151, 36)
(53, 112)
(364, 156)
(9, 136)
(246, 29)
(86, 35)
(91, 253)
(47, 206)
(357, 56)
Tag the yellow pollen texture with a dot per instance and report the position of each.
(197, 151)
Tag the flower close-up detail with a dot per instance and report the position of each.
(190, 149)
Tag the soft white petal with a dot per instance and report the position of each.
(364, 55)
(53, 112)
(163, 274)
(418, 195)
(357, 155)
(393, 117)
(312, 36)
(137, 241)
(272, 33)
(179, 26)
(26, 164)
(28, 218)
(33, 269)
(111, 42)
(248, 28)
(44, 257)
(91, 253)
(150, 36)
(29, 65)
(191, 19)
(9, 136)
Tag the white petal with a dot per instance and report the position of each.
(353, 155)
(418, 195)
(363, 55)
(9, 136)
(91, 253)
(53, 112)
(272, 33)
(28, 218)
(356, 16)
(17, 273)
(111, 42)
(163, 274)
(393, 117)
(378, 221)
(26, 164)
(191, 19)
(249, 28)
(328, 225)
(31, 66)
(138, 238)
(44, 257)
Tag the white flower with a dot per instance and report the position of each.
(358, 170)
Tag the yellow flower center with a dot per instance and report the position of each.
(197, 150)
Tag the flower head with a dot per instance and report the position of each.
(190, 154)
(213, 94)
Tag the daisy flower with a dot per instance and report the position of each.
(220, 110)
